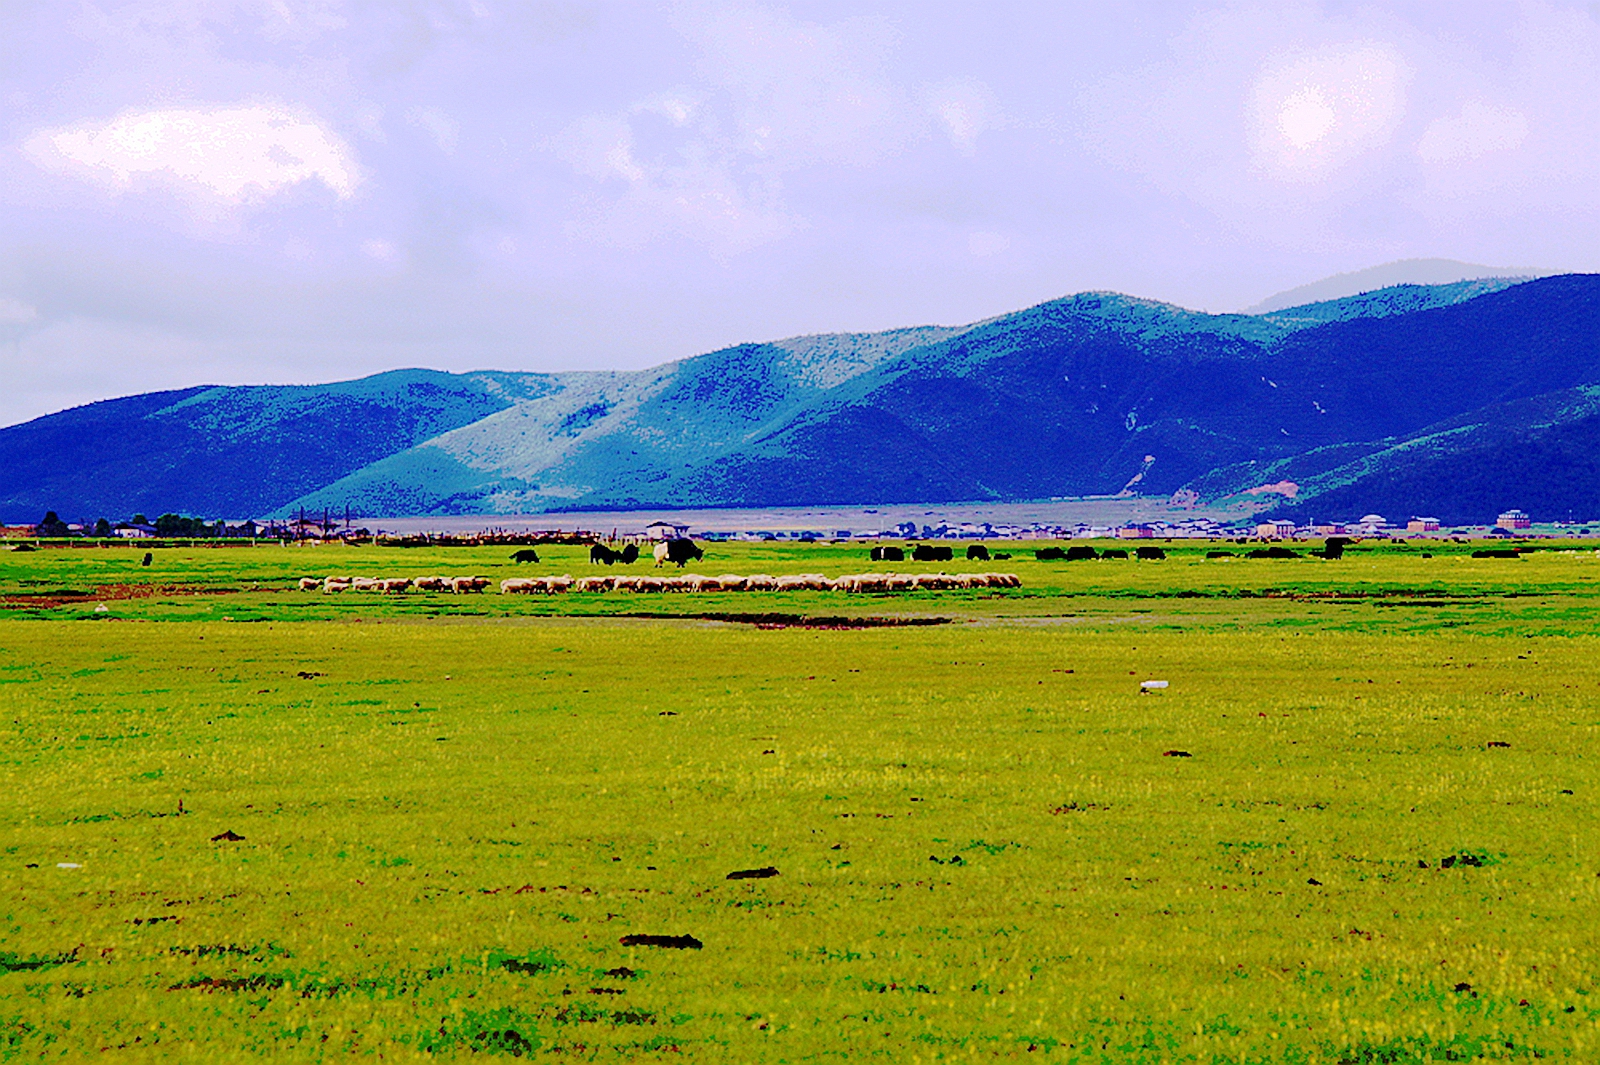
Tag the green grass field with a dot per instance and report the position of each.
(1378, 843)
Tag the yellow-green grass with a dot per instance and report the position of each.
(1388, 586)
(450, 822)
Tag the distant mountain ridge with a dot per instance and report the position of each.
(1454, 399)
(1410, 272)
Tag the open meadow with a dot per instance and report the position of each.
(1357, 826)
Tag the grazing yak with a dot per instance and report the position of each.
(1150, 553)
(681, 551)
(527, 554)
(888, 554)
(1333, 548)
(930, 553)
(600, 554)
(977, 553)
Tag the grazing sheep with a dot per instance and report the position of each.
(732, 582)
(337, 584)
(432, 584)
(558, 585)
(363, 584)
(309, 584)
(465, 585)
(594, 584)
(393, 584)
(901, 582)
(760, 582)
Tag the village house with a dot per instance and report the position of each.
(1276, 530)
(666, 530)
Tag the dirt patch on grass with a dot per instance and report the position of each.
(103, 592)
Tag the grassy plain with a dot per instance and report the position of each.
(454, 808)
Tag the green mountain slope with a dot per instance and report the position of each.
(1405, 396)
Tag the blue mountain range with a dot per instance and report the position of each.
(1453, 400)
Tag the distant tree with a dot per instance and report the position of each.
(102, 528)
(140, 519)
(50, 526)
(178, 525)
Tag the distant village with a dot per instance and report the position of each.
(328, 528)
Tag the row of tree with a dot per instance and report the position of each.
(168, 525)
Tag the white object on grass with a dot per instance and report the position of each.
(68, 865)
(1152, 684)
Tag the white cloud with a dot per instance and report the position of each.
(1476, 131)
(1313, 112)
(706, 163)
(965, 108)
(697, 193)
(232, 154)
(803, 92)
(675, 107)
(600, 147)
(437, 124)
(15, 312)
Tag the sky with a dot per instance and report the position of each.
(295, 191)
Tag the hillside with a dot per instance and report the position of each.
(1453, 399)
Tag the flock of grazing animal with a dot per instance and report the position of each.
(688, 582)
(455, 585)
(680, 551)
(761, 582)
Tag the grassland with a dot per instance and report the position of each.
(1357, 827)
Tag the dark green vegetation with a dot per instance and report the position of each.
(1357, 827)
(1455, 401)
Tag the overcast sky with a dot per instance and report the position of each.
(206, 191)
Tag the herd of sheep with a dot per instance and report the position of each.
(688, 582)
(457, 585)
